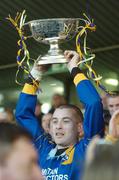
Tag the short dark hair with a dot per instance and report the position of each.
(75, 108)
(9, 134)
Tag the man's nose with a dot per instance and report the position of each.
(59, 125)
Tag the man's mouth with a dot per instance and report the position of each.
(59, 135)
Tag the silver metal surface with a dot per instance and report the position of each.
(53, 32)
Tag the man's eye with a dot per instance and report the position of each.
(54, 121)
(66, 120)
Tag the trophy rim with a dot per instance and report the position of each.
(52, 19)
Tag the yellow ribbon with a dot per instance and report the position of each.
(91, 73)
(18, 23)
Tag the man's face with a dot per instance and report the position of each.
(64, 127)
(46, 122)
(21, 163)
(113, 104)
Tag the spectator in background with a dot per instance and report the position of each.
(105, 164)
(106, 113)
(10, 114)
(47, 126)
(114, 127)
(18, 158)
(110, 105)
(57, 100)
(113, 102)
(38, 112)
(3, 117)
(111, 138)
(7, 115)
(46, 120)
(102, 160)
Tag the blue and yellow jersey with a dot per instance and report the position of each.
(66, 166)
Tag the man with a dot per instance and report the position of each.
(111, 138)
(113, 102)
(46, 121)
(102, 153)
(3, 116)
(38, 112)
(105, 163)
(7, 115)
(63, 159)
(18, 158)
(112, 105)
(57, 100)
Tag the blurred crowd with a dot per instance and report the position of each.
(20, 147)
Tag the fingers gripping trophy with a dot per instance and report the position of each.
(53, 32)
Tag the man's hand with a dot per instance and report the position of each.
(73, 58)
(114, 125)
(38, 70)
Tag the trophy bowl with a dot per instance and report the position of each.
(52, 32)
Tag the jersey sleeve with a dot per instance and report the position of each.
(25, 114)
(93, 117)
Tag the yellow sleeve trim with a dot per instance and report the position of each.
(30, 89)
(79, 77)
(111, 138)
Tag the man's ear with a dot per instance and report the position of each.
(80, 129)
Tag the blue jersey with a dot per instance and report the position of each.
(66, 166)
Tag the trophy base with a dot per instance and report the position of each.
(57, 59)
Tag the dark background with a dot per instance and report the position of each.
(104, 42)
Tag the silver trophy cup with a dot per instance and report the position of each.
(53, 32)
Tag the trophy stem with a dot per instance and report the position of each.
(55, 54)
(54, 48)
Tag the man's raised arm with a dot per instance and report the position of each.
(93, 117)
(25, 110)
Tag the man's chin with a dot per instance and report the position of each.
(61, 145)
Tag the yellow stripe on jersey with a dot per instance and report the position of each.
(29, 89)
(79, 77)
(70, 153)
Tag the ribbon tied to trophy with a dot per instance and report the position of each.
(53, 32)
